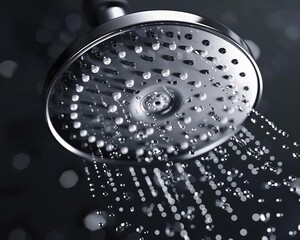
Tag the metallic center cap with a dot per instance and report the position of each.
(157, 102)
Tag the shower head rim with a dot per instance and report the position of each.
(113, 27)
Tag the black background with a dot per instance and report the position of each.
(32, 199)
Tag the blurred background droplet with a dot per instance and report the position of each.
(21, 161)
(8, 68)
(68, 179)
(18, 234)
(229, 18)
(293, 32)
(95, 220)
(73, 22)
(44, 36)
(54, 235)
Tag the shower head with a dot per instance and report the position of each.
(150, 87)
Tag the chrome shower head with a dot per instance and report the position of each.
(150, 87)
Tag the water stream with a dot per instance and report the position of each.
(240, 189)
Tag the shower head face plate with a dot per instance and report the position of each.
(155, 90)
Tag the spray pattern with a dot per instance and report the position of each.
(235, 186)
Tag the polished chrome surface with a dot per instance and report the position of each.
(153, 93)
(111, 13)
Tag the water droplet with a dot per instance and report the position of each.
(91, 139)
(75, 98)
(150, 131)
(132, 128)
(112, 108)
(83, 133)
(109, 147)
(198, 109)
(68, 179)
(95, 69)
(100, 143)
(129, 83)
(119, 120)
(202, 96)
(189, 49)
(147, 75)
(165, 73)
(243, 232)
(8, 68)
(169, 127)
(73, 107)
(155, 46)
(74, 116)
(198, 84)
(203, 53)
(122, 54)
(138, 49)
(187, 120)
(124, 150)
(215, 59)
(106, 60)
(172, 46)
(116, 95)
(203, 137)
(95, 221)
(77, 125)
(21, 161)
(183, 76)
(139, 151)
(79, 88)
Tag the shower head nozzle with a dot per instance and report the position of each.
(151, 86)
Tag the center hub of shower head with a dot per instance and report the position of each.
(157, 103)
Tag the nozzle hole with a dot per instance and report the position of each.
(205, 42)
(242, 74)
(189, 36)
(222, 50)
(235, 61)
(170, 34)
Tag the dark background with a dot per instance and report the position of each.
(34, 33)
